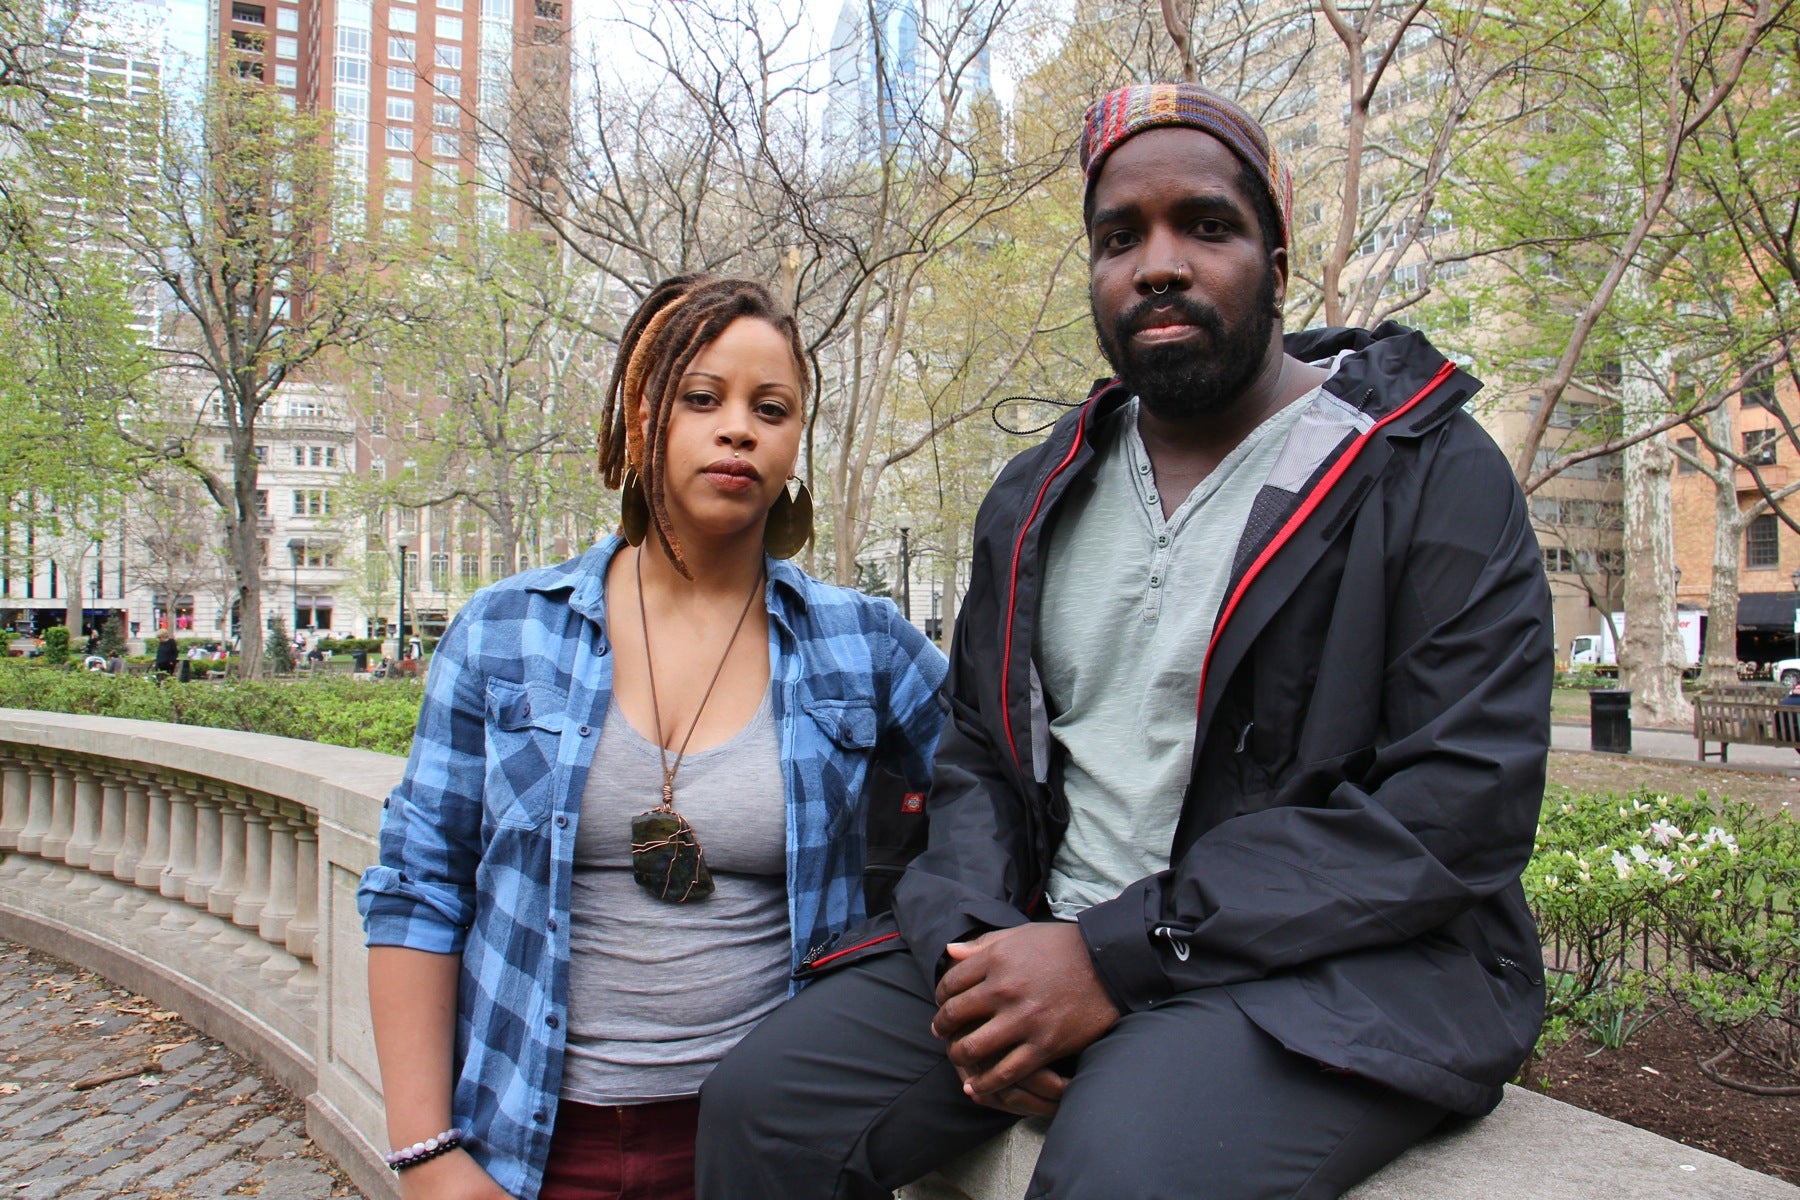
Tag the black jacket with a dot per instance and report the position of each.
(1369, 755)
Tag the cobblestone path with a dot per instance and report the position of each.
(188, 1119)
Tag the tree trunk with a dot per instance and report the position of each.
(1651, 659)
(1719, 659)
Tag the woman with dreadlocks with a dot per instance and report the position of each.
(635, 800)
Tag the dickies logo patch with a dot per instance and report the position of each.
(913, 802)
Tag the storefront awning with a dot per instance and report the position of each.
(1767, 612)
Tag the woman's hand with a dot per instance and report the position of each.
(452, 1176)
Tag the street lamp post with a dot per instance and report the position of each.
(404, 541)
(905, 573)
(296, 547)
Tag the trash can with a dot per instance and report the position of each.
(1609, 720)
(359, 660)
(186, 674)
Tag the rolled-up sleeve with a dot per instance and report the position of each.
(914, 679)
(421, 894)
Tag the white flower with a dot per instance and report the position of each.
(1665, 866)
(1622, 865)
(1718, 837)
(1664, 831)
(1641, 854)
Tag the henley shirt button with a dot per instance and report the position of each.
(551, 1021)
(1156, 581)
(1143, 468)
(1162, 539)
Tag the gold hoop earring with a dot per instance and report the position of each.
(790, 523)
(634, 509)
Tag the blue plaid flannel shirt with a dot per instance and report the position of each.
(478, 839)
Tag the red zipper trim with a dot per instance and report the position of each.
(1306, 509)
(1013, 588)
(837, 954)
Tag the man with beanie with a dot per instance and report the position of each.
(1250, 710)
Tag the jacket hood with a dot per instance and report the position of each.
(1387, 366)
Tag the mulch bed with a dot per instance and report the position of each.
(1654, 1082)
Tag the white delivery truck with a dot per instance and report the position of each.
(1599, 652)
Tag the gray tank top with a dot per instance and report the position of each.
(659, 992)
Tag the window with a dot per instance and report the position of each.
(450, 28)
(447, 84)
(446, 114)
(287, 47)
(398, 199)
(402, 20)
(440, 572)
(287, 77)
(1762, 547)
(287, 19)
(1759, 446)
(469, 568)
(400, 79)
(403, 49)
(378, 425)
(448, 56)
(262, 502)
(312, 502)
(299, 456)
(1558, 560)
(1759, 389)
(247, 14)
(497, 566)
(400, 168)
(378, 470)
(400, 109)
(399, 137)
(1687, 446)
(446, 145)
(260, 453)
(450, 5)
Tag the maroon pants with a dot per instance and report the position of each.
(636, 1152)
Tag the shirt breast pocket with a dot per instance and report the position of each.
(523, 729)
(850, 731)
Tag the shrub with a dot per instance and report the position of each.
(349, 645)
(112, 637)
(56, 645)
(281, 647)
(6, 640)
(330, 709)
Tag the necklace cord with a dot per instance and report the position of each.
(668, 787)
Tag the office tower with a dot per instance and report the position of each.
(894, 67)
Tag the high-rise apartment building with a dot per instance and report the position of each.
(424, 94)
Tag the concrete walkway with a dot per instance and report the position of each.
(186, 1120)
(1677, 747)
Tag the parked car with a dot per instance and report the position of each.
(1786, 672)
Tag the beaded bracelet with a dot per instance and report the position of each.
(411, 1156)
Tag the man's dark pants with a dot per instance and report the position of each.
(843, 1092)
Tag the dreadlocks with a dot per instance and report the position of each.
(678, 320)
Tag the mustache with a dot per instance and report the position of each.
(1154, 310)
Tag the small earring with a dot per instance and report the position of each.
(634, 509)
(790, 523)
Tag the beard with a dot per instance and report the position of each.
(1190, 380)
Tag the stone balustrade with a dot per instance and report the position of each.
(215, 872)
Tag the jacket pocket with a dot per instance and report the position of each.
(873, 938)
(523, 730)
(851, 728)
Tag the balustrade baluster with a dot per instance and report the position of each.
(136, 833)
(181, 840)
(156, 838)
(247, 910)
(223, 894)
(279, 909)
(15, 802)
(205, 875)
(303, 929)
(105, 854)
(37, 816)
(62, 811)
(80, 851)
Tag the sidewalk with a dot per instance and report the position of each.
(1672, 746)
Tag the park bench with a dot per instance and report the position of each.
(1747, 715)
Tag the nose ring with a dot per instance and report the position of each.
(1157, 291)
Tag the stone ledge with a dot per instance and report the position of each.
(1531, 1148)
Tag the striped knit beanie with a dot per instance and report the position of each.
(1128, 111)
